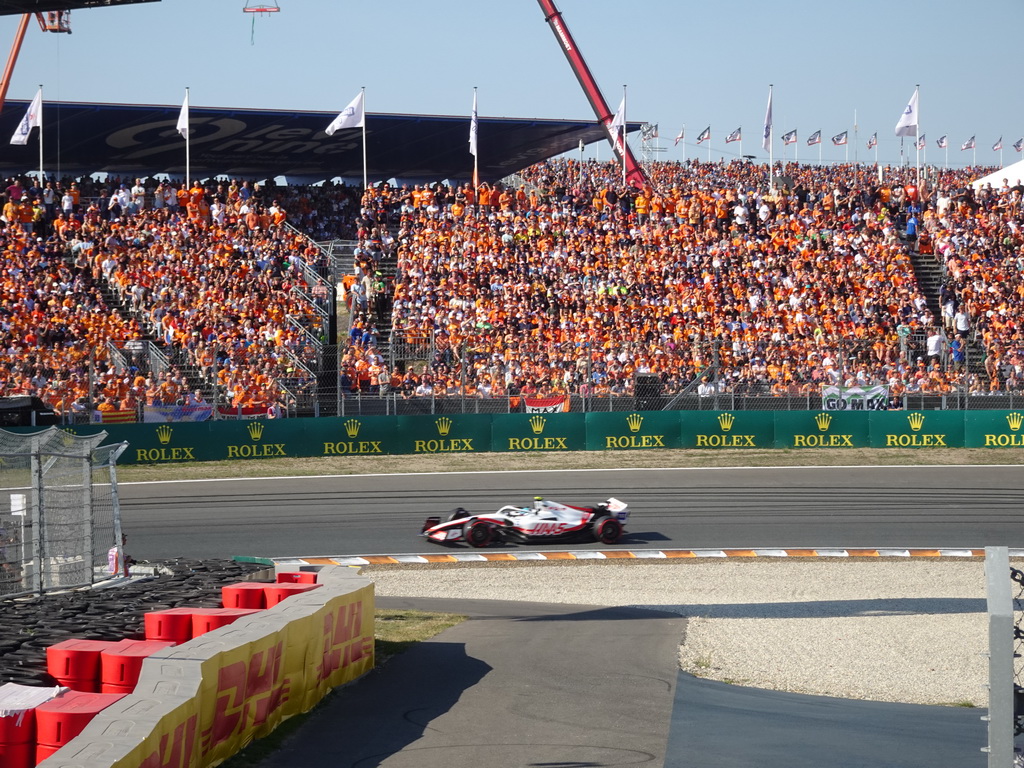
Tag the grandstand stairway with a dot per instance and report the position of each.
(929, 275)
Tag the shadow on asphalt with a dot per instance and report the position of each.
(385, 711)
(817, 609)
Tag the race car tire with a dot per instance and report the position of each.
(478, 533)
(607, 530)
(431, 522)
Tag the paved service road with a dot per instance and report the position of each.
(727, 726)
(803, 507)
(519, 684)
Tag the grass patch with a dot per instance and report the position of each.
(394, 632)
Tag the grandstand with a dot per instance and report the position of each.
(138, 299)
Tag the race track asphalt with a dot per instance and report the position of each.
(519, 684)
(810, 507)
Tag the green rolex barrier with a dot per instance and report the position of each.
(457, 433)
(822, 429)
(636, 430)
(728, 429)
(538, 432)
(916, 429)
(994, 429)
(355, 436)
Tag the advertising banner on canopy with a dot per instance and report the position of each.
(854, 398)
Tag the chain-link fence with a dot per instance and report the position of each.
(59, 513)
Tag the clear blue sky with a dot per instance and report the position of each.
(692, 63)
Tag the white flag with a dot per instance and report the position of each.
(33, 118)
(352, 116)
(473, 129)
(681, 136)
(766, 142)
(907, 125)
(182, 126)
(618, 124)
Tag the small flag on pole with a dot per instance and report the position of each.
(681, 136)
(814, 138)
(907, 124)
(942, 142)
(921, 142)
(789, 138)
(352, 116)
(998, 145)
(839, 139)
(33, 119)
(736, 135)
(473, 128)
(618, 124)
(704, 135)
(873, 141)
(182, 126)
(1018, 145)
(969, 144)
(766, 140)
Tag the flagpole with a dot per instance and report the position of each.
(796, 150)
(366, 176)
(623, 135)
(188, 147)
(709, 144)
(917, 144)
(476, 159)
(819, 150)
(684, 143)
(771, 143)
(741, 142)
(856, 140)
(43, 184)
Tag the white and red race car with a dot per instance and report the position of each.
(544, 521)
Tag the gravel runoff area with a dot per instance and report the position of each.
(912, 631)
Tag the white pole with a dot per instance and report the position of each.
(623, 135)
(796, 150)
(856, 139)
(819, 150)
(771, 143)
(366, 179)
(684, 143)
(709, 143)
(476, 154)
(916, 144)
(42, 184)
(188, 145)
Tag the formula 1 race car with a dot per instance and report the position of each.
(544, 521)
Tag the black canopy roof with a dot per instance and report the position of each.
(142, 140)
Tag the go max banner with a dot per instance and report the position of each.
(632, 430)
(874, 398)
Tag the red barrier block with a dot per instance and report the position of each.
(76, 660)
(278, 592)
(121, 664)
(59, 720)
(18, 726)
(42, 751)
(208, 619)
(298, 577)
(18, 755)
(85, 686)
(244, 594)
(123, 690)
(173, 625)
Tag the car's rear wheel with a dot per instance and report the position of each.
(607, 530)
(430, 523)
(478, 533)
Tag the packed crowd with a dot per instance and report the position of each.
(572, 284)
(210, 272)
(564, 282)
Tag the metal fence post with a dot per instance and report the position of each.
(1000, 658)
(37, 517)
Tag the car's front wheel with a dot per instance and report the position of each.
(607, 530)
(478, 533)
